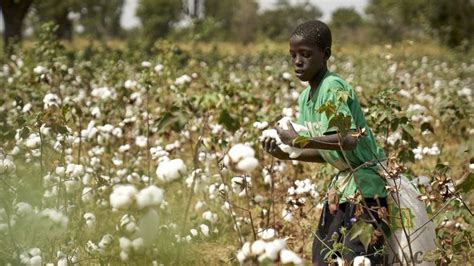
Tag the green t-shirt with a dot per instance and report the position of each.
(330, 90)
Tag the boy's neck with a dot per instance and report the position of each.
(314, 83)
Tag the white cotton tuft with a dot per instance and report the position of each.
(170, 170)
(272, 133)
(125, 244)
(150, 196)
(288, 256)
(361, 261)
(267, 234)
(204, 229)
(258, 247)
(241, 158)
(123, 196)
(272, 249)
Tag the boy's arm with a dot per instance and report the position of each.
(308, 155)
(326, 142)
(333, 142)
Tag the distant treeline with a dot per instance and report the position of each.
(448, 21)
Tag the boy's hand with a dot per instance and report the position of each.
(287, 136)
(269, 145)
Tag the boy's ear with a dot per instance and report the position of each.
(327, 52)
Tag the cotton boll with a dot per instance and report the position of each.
(125, 244)
(293, 152)
(128, 223)
(204, 229)
(241, 256)
(106, 241)
(150, 196)
(129, 84)
(158, 68)
(87, 195)
(137, 244)
(90, 220)
(258, 198)
(286, 76)
(199, 205)
(193, 232)
(211, 217)
(23, 209)
(123, 196)
(36, 261)
(258, 247)
(361, 261)
(272, 249)
(247, 164)
(287, 215)
(260, 125)
(171, 170)
(267, 234)
(240, 151)
(146, 64)
(241, 158)
(288, 256)
(182, 80)
(123, 255)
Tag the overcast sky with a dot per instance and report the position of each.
(129, 20)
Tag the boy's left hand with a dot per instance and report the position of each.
(287, 136)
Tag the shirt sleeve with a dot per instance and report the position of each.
(341, 97)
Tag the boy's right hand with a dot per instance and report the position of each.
(269, 145)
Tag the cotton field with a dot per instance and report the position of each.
(115, 157)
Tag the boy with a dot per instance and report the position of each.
(357, 157)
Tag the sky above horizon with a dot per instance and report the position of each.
(129, 20)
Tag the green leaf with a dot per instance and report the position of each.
(364, 231)
(165, 120)
(328, 108)
(341, 122)
(25, 132)
(468, 184)
(342, 96)
(229, 122)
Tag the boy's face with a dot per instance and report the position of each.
(307, 58)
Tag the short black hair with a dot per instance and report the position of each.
(315, 31)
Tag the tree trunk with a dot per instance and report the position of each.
(64, 30)
(14, 13)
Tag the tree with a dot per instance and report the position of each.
(448, 20)
(56, 11)
(222, 12)
(244, 23)
(278, 23)
(397, 19)
(101, 18)
(453, 23)
(14, 12)
(346, 25)
(157, 16)
(346, 18)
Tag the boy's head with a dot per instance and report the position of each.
(310, 48)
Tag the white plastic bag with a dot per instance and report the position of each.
(421, 233)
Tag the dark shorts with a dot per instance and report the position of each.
(329, 230)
